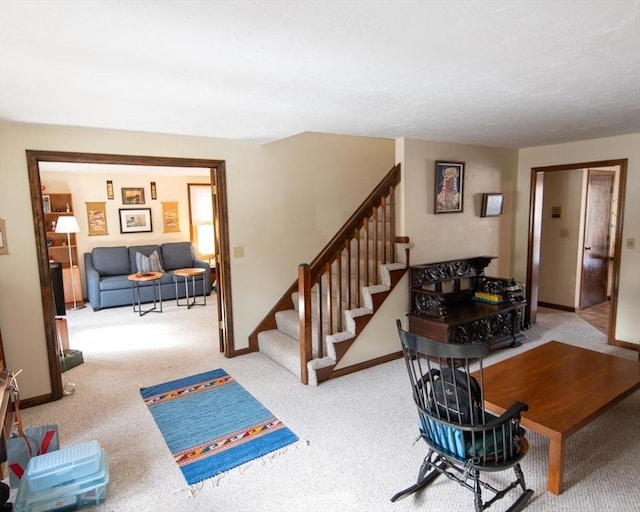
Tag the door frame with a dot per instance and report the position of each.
(221, 226)
(535, 233)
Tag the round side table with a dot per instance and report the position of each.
(190, 273)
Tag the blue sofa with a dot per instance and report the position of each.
(106, 270)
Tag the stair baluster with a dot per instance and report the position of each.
(331, 302)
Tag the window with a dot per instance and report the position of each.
(201, 220)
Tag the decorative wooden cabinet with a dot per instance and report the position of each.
(56, 206)
(445, 304)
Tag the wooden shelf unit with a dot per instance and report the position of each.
(57, 244)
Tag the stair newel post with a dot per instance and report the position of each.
(304, 305)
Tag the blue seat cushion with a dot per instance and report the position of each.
(114, 283)
(461, 444)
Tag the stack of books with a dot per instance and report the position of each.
(490, 298)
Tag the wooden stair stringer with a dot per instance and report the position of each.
(338, 344)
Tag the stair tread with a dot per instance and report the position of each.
(282, 348)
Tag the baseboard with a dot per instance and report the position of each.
(366, 364)
(37, 400)
(626, 344)
(556, 306)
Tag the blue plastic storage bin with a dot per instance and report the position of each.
(54, 468)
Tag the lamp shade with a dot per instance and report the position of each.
(67, 224)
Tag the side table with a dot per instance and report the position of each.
(138, 278)
(190, 273)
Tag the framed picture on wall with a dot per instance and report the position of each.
(170, 221)
(97, 218)
(133, 196)
(492, 205)
(449, 187)
(135, 220)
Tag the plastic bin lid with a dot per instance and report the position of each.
(64, 458)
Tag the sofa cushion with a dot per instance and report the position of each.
(177, 255)
(111, 261)
(146, 250)
(149, 263)
(114, 283)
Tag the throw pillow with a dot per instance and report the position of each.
(149, 263)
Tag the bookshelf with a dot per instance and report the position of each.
(56, 206)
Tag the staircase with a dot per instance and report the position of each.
(312, 326)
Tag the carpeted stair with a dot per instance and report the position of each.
(282, 344)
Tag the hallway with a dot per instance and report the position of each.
(597, 315)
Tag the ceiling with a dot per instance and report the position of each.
(507, 73)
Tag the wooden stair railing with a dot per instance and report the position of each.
(350, 261)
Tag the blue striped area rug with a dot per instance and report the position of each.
(212, 424)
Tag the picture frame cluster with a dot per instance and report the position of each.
(131, 220)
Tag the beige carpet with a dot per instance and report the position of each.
(356, 432)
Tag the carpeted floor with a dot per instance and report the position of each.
(211, 424)
(357, 432)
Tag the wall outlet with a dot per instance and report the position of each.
(631, 243)
(238, 252)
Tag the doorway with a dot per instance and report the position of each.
(596, 252)
(218, 176)
(535, 231)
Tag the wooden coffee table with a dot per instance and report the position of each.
(565, 386)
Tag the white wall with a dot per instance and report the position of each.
(561, 238)
(610, 148)
(458, 235)
(274, 193)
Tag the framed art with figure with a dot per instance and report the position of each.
(449, 187)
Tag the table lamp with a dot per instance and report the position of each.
(68, 224)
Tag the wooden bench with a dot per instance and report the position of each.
(447, 304)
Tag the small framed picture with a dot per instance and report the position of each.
(135, 220)
(46, 204)
(133, 196)
(449, 187)
(492, 205)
